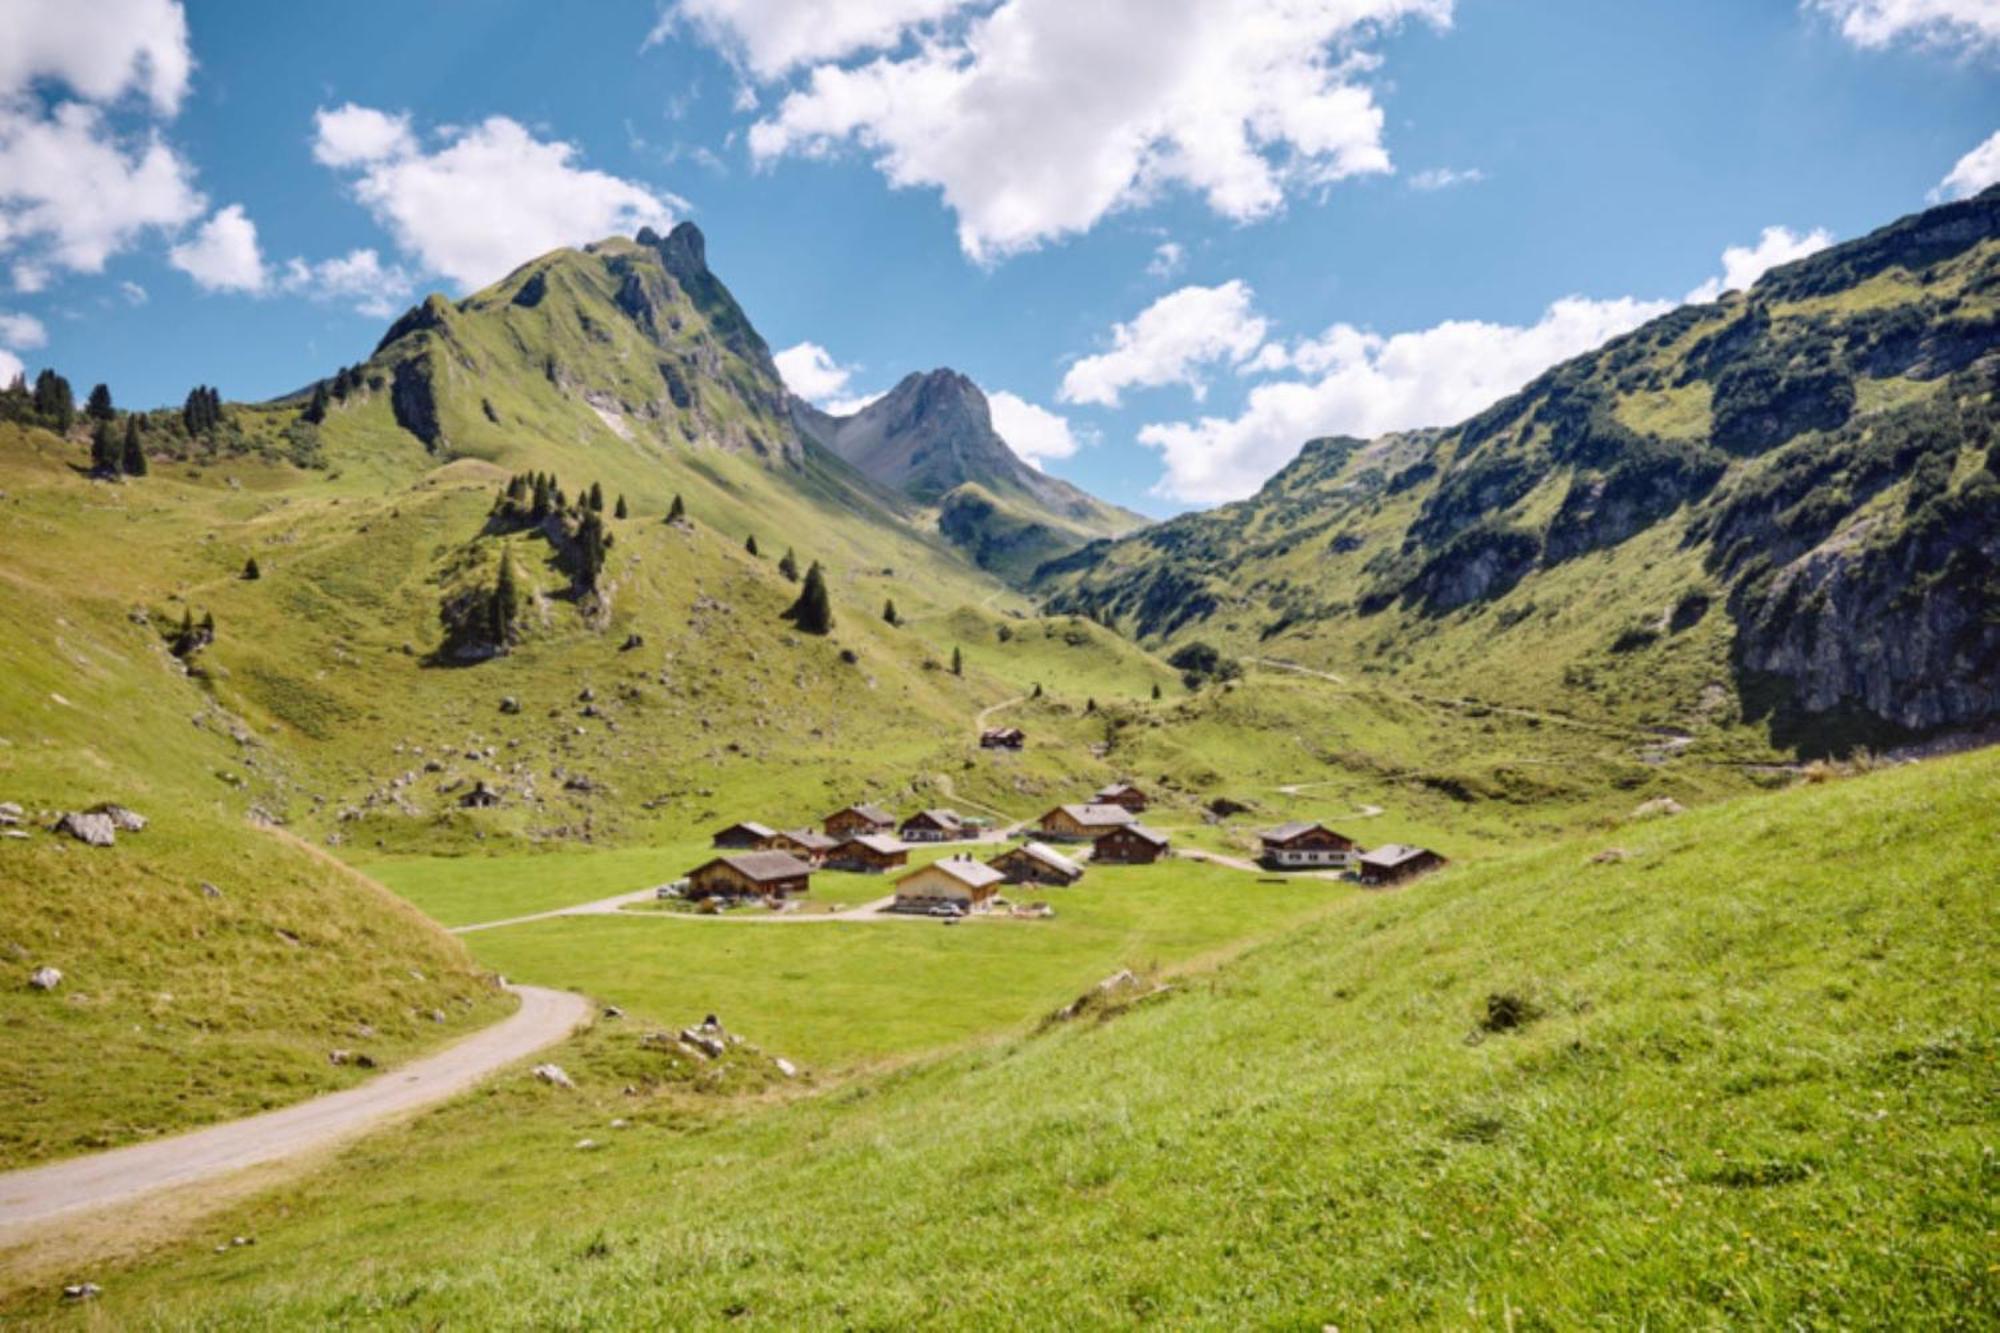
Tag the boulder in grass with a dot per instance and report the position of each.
(46, 978)
(554, 1076)
(82, 1291)
(122, 819)
(10, 812)
(93, 829)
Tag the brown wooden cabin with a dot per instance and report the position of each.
(868, 854)
(858, 819)
(1394, 863)
(1123, 794)
(1002, 738)
(746, 836)
(1301, 845)
(963, 882)
(750, 875)
(803, 843)
(1082, 823)
(1132, 845)
(932, 826)
(1037, 863)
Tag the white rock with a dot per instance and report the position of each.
(554, 1076)
(46, 978)
(786, 1067)
(94, 829)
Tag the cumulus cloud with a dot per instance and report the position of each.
(1962, 25)
(1170, 342)
(1742, 265)
(1443, 178)
(21, 331)
(1036, 119)
(133, 293)
(772, 37)
(811, 373)
(1362, 383)
(358, 279)
(1973, 173)
(1034, 433)
(101, 50)
(1169, 258)
(492, 197)
(223, 254)
(10, 367)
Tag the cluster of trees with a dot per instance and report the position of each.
(49, 404)
(530, 497)
(193, 635)
(115, 453)
(1200, 662)
(812, 613)
(202, 412)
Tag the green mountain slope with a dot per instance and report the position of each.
(1778, 510)
(932, 439)
(1741, 1074)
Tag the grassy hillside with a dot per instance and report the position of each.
(1738, 1072)
(1772, 514)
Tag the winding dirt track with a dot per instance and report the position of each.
(31, 1197)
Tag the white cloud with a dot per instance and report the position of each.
(133, 293)
(350, 136)
(773, 37)
(101, 50)
(1034, 433)
(29, 277)
(358, 279)
(223, 255)
(1443, 178)
(22, 331)
(1968, 25)
(1973, 173)
(810, 371)
(493, 197)
(73, 192)
(10, 367)
(1365, 384)
(1039, 117)
(1170, 342)
(1169, 258)
(1742, 265)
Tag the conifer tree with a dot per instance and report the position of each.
(590, 547)
(542, 498)
(621, 511)
(506, 600)
(316, 409)
(889, 612)
(1038, 691)
(957, 661)
(104, 450)
(750, 543)
(788, 565)
(53, 402)
(250, 571)
(812, 613)
(1090, 705)
(677, 511)
(595, 499)
(134, 459)
(99, 407)
(1156, 689)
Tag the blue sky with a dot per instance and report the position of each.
(1175, 238)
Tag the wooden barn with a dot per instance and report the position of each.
(1394, 863)
(868, 854)
(750, 875)
(1132, 845)
(858, 819)
(1082, 823)
(1002, 738)
(1299, 845)
(1037, 863)
(959, 881)
(1123, 794)
(803, 843)
(932, 826)
(746, 836)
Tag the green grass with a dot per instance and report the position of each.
(1754, 1086)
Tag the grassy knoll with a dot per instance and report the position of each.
(1742, 1076)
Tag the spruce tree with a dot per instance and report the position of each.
(105, 450)
(250, 571)
(677, 511)
(889, 613)
(621, 511)
(1037, 692)
(506, 600)
(590, 547)
(812, 613)
(99, 407)
(1090, 706)
(134, 460)
(1156, 689)
(750, 543)
(789, 566)
(316, 409)
(53, 402)
(957, 661)
(595, 499)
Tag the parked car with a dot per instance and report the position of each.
(677, 889)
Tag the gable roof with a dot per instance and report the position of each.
(874, 842)
(1095, 812)
(749, 826)
(759, 867)
(1116, 789)
(1140, 831)
(1047, 855)
(946, 818)
(1392, 854)
(806, 837)
(972, 874)
(874, 814)
(1296, 828)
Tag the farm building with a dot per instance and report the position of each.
(932, 826)
(1123, 794)
(1002, 738)
(1037, 863)
(868, 854)
(961, 881)
(1394, 863)
(803, 843)
(859, 819)
(1132, 845)
(746, 836)
(750, 875)
(1081, 823)
(1299, 844)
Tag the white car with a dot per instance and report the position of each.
(677, 889)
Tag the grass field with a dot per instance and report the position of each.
(1742, 1076)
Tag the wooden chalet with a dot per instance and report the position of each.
(750, 875)
(1037, 863)
(932, 826)
(1394, 863)
(1082, 823)
(1123, 794)
(868, 854)
(747, 836)
(857, 819)
(1132, 845)
(803, 843)
(957, 880)
(1299, 845)
(1002, 738)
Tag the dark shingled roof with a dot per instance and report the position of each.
(1287, 831)
(1390, 854)
(1154, 836)
(761, 867)
(875, 814)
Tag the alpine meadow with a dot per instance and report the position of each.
(979, 664)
